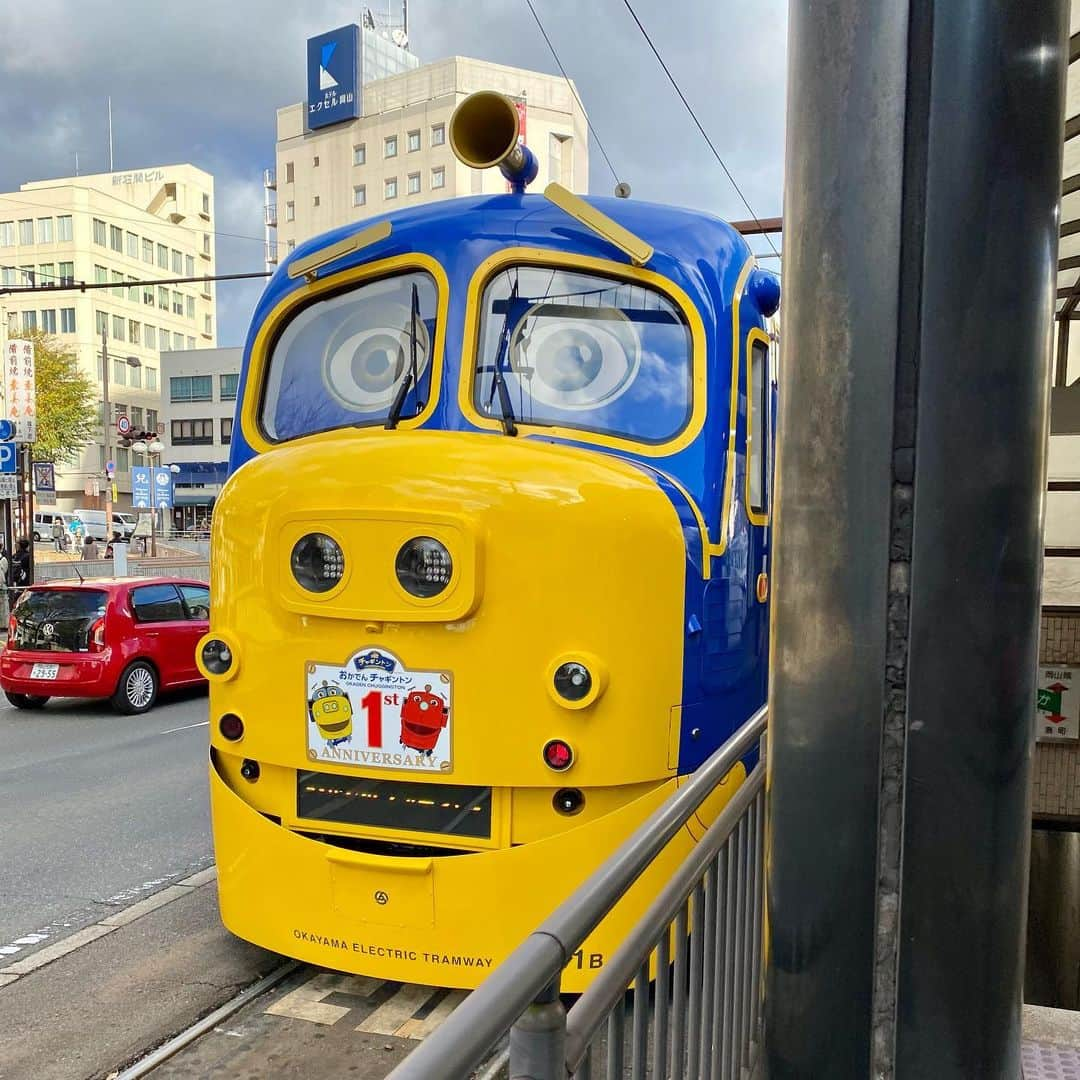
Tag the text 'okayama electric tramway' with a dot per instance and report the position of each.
(490, 572)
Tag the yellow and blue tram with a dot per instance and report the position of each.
(490, 572)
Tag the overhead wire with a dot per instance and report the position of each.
(573, 90)
(697, 122)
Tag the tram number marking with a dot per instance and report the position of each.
(592, 961)
(372, 705)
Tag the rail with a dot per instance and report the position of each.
(707, 919)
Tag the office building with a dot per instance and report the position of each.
(397, 153)
(115, 228)
(198, 402)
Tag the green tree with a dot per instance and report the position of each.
(66, 400)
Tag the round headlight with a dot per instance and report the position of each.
(423, 566)
(318, 563)
(216, 656)
(572, 681)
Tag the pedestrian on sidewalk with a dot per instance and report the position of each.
(20, 573)
(90, 549)
(58, 534)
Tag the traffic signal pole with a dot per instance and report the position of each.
(105, 432)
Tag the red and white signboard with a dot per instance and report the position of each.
(374, 713)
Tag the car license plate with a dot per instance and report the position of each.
(44, 671)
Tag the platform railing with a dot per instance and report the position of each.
(700, 940)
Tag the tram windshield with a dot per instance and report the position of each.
(353, 359)
(582, 351)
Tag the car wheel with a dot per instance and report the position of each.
(37, 538)
(138, 688)
(26, 701)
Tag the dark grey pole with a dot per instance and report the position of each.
(924, 164)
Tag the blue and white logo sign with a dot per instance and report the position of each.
(334, 76)
(140, 487)
(7, 457)
(163, 489)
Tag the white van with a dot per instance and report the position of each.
(43, 523)
(94, 525)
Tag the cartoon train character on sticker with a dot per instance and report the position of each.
(331, 712)
(423, 716)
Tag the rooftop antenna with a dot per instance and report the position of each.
(109, 102)
(76, 162)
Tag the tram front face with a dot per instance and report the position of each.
(446, 666)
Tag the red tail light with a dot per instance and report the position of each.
(97, 636)
(11, 627)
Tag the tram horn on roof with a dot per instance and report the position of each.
(484, 131)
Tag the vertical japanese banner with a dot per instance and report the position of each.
(20, 390)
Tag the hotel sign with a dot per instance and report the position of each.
(333, 74)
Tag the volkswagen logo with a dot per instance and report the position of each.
(48, 629)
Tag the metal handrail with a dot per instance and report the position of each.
(462, 1042)
(592, 1008)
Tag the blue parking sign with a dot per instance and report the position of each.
(7, 457)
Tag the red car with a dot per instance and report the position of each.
(123, 639)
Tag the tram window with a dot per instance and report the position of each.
(341, 362)
(584, 351)
(157, 603)
(757, 428)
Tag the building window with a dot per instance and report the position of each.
(123, 459)
(192, 432)
(48, 320)
(150, 336)
(190, 343)
(315, 162)
(414, 141)
(7, 233)
(99, 231)
(177, 341)
(63, 227)
(133, 290)
(118, 284)
(315, 200)
(226, 430)
(390, 188)
(119, 373)
(190, 388)
(163, 298)
(208, 326)
(134, 332)
(136, 417)
(359, 195)
(228, 386)
(177, 303)
(206, 243)
(177, 262)
(151, 415)
(151, 378)
(101, 323)
(438, 177)
(119, 328)
(44, 230)
(29, 320)
(116, 238)
(205, 203)
(27, 275)
(47, 274)
(414, 183)
(67, 320)
(101, 275)
(147, 251)
(7, 275)
(438, 134)
(135, 374)
(390, 146)
(132, 245)
(26, 231)
(189, 264)
(189, 307)
(163, 256)
(288, 172)
(67, 273)
(290, 211)
(148, 295)
(359, 154)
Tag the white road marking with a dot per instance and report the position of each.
(306, 1001)
(393, 1014)
(184, 728)
(54, 952)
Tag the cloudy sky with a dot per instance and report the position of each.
(199, 81)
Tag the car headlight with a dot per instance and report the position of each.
(318, 563)
(423, 567)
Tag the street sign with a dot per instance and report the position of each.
(19, 389)
(123, 425)
(45, 483)
(1056, 704)
(163, 488)
(140, 487)
(110, 466)
(8, 455)
(7, 430)
(9, 486)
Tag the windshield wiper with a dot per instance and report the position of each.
(498, 381)
(411, 378)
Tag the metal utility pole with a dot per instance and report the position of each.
(923, 177)
(105, 430)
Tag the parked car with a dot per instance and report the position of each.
(125, 639)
